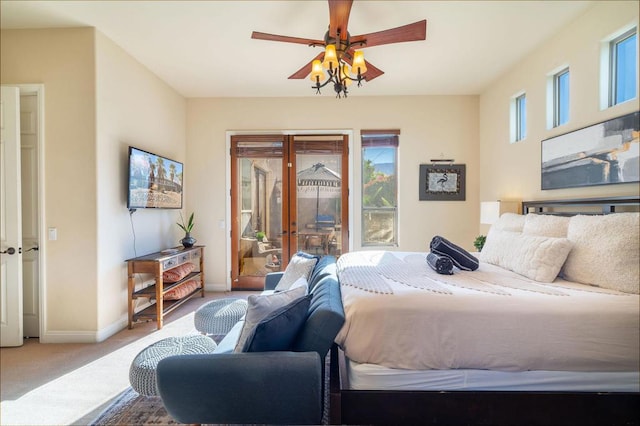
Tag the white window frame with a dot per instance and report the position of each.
(608, 66)
(552, 102)
(517, 133)
(557, 99)
(364, 209)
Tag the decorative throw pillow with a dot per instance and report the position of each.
(278, 330)
(301, 265)
(606, 251)
(545, 225)
(537, 258)
(300, 282)
(174, 275)
(509, 222)
(182, 290)
(260, 306)
(461, 258)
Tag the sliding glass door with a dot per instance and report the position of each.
(288, 194)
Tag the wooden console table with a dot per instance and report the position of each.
(156, 264)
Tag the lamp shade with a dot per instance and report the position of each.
(344, 74)
(358, 66)
(330, 57)
(317, 73)
(489, 212)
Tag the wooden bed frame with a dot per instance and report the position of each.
(361, 407)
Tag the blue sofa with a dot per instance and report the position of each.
(260, 387)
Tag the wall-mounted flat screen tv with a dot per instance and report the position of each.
(154, 181)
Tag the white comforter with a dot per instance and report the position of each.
(402, 314)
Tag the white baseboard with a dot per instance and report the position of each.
(216, 287)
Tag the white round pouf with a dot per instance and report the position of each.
(142, 373)
(219, 316)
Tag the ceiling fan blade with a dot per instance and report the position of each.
(411, 32)
(274, 37)
(372, 71)
(306, 69)
(339, 11)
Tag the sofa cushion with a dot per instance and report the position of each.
(301, 265)
(605, 251)
(325, 266)
(277, 331)
(324, 320)
(260, 306)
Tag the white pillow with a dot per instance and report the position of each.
(509, 222)
(300, 282)
(301, 265)
(545, 225)
(606, 251)
(260, 306)
(537, 258)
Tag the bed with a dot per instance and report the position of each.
(508, 343)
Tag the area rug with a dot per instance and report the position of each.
(131, 408)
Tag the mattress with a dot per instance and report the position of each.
(400, 314)
(376, 377)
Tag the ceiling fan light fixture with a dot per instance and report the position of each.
(344, 75)
(330, 57)
(317, 72)
(359, 67)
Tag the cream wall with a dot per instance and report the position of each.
(98, 101)
(430, 126)
(64, 61)
(512, 171)
(134, 107)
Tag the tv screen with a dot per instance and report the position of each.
(154, 181)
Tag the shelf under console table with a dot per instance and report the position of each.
(156, 264)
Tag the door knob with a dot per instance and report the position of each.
(10, 250)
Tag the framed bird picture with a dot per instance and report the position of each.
(442, 182)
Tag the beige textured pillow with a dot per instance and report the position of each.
(537, 258)
(605, 251)
(300, 265)
(509, 222)
(545, 225)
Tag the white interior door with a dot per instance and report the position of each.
(29, 122)
(10, 220)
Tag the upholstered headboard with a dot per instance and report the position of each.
(573, 207)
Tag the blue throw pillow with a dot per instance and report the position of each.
(278, 330)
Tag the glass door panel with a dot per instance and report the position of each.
(287, 194)
(319, 193)
(257, 243)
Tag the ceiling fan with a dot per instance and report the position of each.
(340, 60)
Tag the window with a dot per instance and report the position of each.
(561, 98)
(623, 63)
(518, 118)
(380, 187)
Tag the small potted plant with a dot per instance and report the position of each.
(188, 240)
(479, 242)
(260, 235)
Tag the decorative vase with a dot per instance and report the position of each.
(188, 241)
